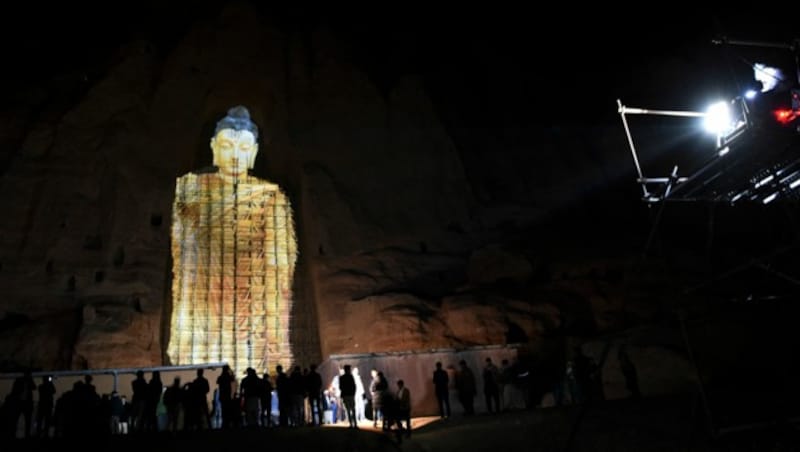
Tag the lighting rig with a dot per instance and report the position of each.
(755, 156)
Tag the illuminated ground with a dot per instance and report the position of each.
(649, 425)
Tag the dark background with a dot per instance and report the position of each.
(513, 75)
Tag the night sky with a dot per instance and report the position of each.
(506, 75)
(558, 64)
(502, 73)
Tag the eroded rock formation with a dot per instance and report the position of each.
(410, 237)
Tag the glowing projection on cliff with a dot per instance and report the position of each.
(234, 252)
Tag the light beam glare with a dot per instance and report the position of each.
(768, 76)
(718, 118)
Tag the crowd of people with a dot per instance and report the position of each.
(287, 399)
(292, 399)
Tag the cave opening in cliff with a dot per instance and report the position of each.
(234, 252)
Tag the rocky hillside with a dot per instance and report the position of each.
(421, 224)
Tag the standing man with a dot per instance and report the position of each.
(377, 387)
(314, 389)
(403, 407)
(491, 391)
(441, 385)
(250, 391)
(199, 393)
(44, 410)
(266, 400)
(361, 399)
(504, 386)
(226, 382)
(284, 389)
(465, 385)
(347, 384)
(139, 389)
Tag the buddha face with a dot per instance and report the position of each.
(234, 151)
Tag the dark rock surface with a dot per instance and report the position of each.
(421, 224)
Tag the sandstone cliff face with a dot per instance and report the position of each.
(408, 240)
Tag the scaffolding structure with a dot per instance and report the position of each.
(234, 252)
(756, 158)
(756, 161)
(753, 163)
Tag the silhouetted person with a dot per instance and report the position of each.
(173, 399)
(153, 396)
(347, 386)
(21, 401)
(91, 406)
(391, 416)
(70, 412)
(361, 396)
(314, 390)
(44, 409)
(116, 413)
(441, 386)
(336, 395)
(266, 400)
(491, 390)
(251, 388)
(298, 395)
(199, 395)
(376, 388)
(284, 389)
(403, 401)
(629, 372)
(138, 401)
(226, 382)
(88, 386)
(332, 403)
(465, 385)
(504, 385)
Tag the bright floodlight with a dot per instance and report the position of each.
(750, 93)
(768, 76)
(718, 118)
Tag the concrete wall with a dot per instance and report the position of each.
(416, 371)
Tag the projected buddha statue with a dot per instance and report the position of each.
(234, 252)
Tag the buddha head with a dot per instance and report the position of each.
(235, 143)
